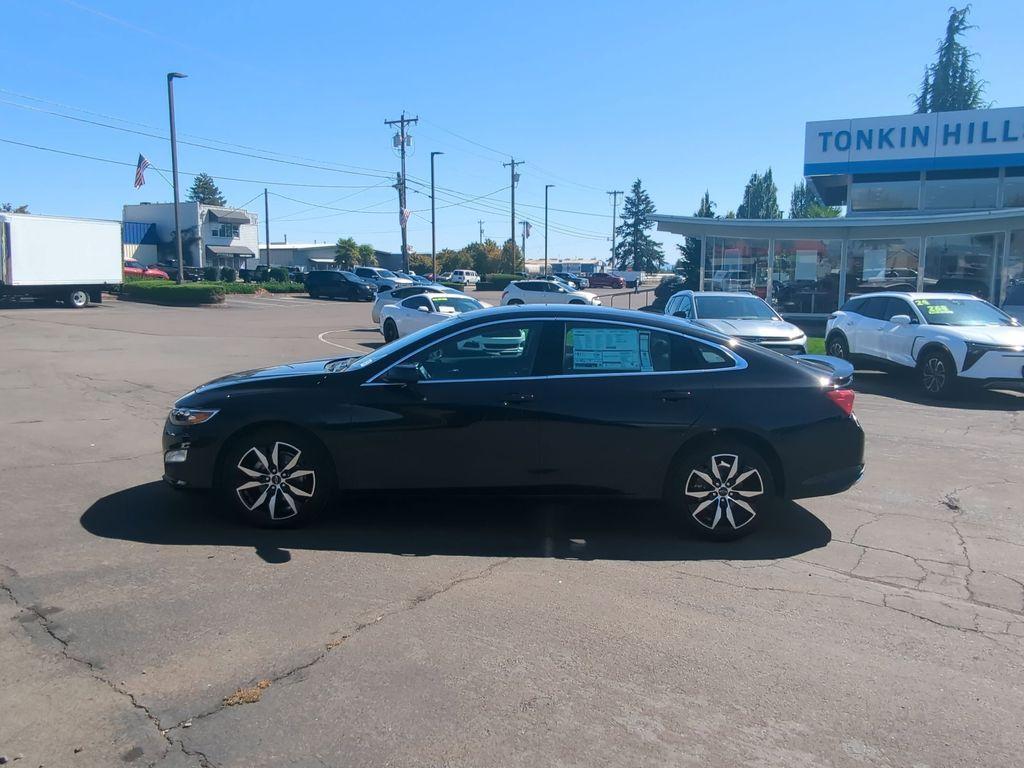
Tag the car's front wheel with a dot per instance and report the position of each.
(721, 491)
(936, 374)
(515, 302)
(276, 477)
(837, 346)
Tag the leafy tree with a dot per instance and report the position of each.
(420, 263)
(804, 203)
(205, 191)
(668, 286)
(511, 258)
(449, 259)
(346, 253)
(690, 251)
(485, 256)
(635, 248)
(760, 198)
(951, 83)
(367, 255)
(8, 208)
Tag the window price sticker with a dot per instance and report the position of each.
(610, 349)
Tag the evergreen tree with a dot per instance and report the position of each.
(346, 253)
(760, 198)
(205, 191)
(635, 249)
(690, 251)
(804, 203)
(951, 83)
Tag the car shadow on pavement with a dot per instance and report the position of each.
(479, 526)
(900, 385)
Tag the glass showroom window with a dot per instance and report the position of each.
(1013, 271)
(736, 264)
(1013, 188)
(807, 276)
(962, 263)
(882, 265)
(961, 189)
(889, 192)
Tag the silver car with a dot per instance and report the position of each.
(740, 315)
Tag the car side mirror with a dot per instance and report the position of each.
(681, 313)
(403, 374)
(900, 319)
(423, 309)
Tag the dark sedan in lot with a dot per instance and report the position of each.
(586, 401)
(332, 284)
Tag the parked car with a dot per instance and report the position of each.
(423, 310)
(384, 279)
(464, 277)
(297, 274)
(395, 295)
(739, 315)
(418, 279)
(732, 280)
(719, 431)
(544, 292)
(948, 339)
(332, 284)
(576, 281)
(1014, 303)
(138, 269)
(605, 280)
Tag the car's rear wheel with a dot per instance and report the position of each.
(77, 298)
(276, 477)
(515, 302)
(390, 330)
(936, 374)
(576, 301)
(721, 491)
(837, 346)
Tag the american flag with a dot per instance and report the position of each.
(140, 169)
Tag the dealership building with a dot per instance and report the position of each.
(934, 202)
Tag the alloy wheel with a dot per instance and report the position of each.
(722, 492)
(274, 481)
(836, 349)
(934, 374)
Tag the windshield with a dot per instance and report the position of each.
(353, 277)
(733, 308)
(386, 273)
(448, 303)
(961, 312)
(383, 351)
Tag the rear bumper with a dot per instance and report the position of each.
(830, 483)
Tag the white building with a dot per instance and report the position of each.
(211, 235)
(305, 255)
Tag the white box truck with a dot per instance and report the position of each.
(57, 258)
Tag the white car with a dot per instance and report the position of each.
(741, 315)
(422, 310)
(395, 295)
(464, 277)
(947, 338)
(545, 292)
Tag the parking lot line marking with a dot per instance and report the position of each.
(334, 343)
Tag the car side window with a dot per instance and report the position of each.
(531, 287)
(596, 348)
(415, 302)
(684, 305)
(499, 351)
(875, 307)
(899, 307)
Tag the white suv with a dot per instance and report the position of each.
(465, 277)
(947, 338)
(545, 292)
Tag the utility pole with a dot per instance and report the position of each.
(546, 188)
(171, 77)
(433, 219)
(515, 178)
(615, 213)
(481, 223)
(526, 227)
(402, 140)
(266, 222)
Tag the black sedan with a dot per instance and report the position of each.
(575, 400)
(334, 284)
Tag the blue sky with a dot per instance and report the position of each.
(684, 95)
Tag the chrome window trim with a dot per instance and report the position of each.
(739, 363)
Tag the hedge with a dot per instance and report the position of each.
(496, 282)
(285, 287)
(165, 292)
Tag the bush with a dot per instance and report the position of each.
(247, 288)
(285, 287)
(663, 292)
(228, 275)
(165, 292)
(277, 275)
(211, 274)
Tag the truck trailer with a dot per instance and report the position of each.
(56, 258)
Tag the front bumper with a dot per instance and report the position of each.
(998, 366)
(200, 458)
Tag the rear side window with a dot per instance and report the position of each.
(853, 305)
(595, 348)
(416, 302)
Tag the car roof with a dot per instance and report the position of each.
(737, 294)
(915, 295)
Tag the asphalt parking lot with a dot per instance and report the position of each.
(882, 627)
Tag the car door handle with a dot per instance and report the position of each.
(517, 397)
(675, 395)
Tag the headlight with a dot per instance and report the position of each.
(189, 417)
(977, 349)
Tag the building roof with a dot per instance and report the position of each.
(845, 226)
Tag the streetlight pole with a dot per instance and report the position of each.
(433, 219)
(171, 76)
(546, 188)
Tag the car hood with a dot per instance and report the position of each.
(310, 368)
(758, 329)
(1009, 335)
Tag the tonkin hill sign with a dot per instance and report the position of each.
(985, 138)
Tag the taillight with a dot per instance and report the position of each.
(843, 398)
